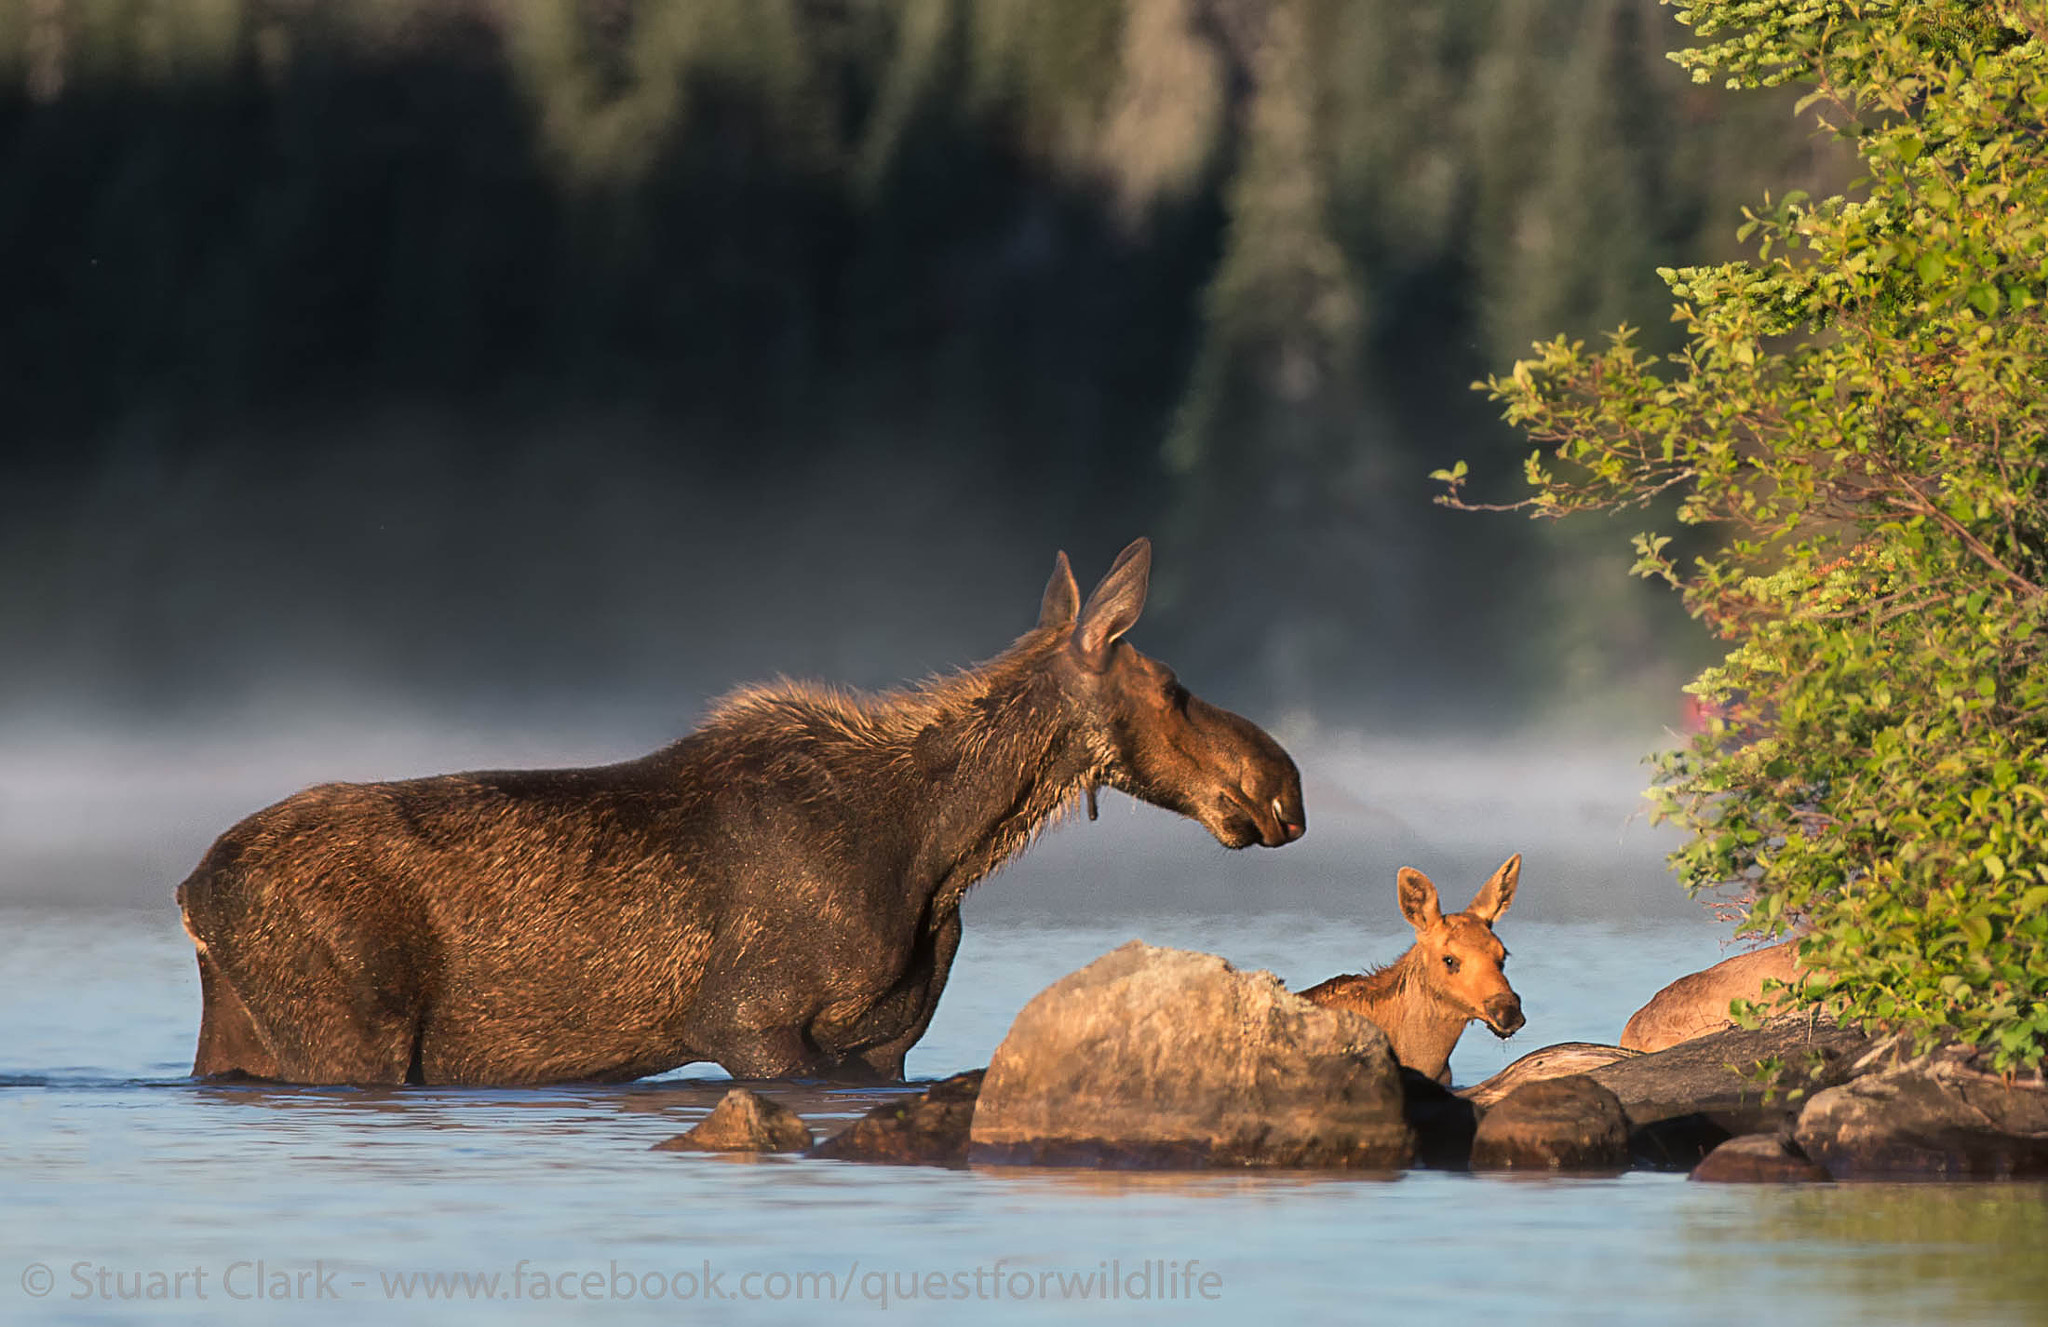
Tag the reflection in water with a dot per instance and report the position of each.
(1060, 1182)
(1980, 1244)
(366, 1114)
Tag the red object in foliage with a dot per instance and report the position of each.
(1700, 713)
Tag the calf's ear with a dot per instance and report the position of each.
(1495, 895)
(1418, 900)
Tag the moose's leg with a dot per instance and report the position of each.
(884, 1062)
(229, 1040)
(770, 1053)
(317, 1003)
(318, 1031)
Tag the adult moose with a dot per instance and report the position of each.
(778, 892)
(1449, 977)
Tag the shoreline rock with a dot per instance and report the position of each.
(1933, 1117)
(1684, 1102)
(1566, 1057)
(1570, 1125)
(925, 1129)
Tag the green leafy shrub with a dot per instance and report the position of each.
(1856, 420)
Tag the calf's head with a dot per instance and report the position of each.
(1459, 957)
(1148, 736)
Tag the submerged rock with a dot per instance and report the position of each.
(927, 1129)
(1933, 1117)
(743, 1121)
(1557, 1124)
(1165, 1057)
(1758, 1158)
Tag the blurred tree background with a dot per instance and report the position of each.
(488, 350)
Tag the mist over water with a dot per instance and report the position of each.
(104, 817)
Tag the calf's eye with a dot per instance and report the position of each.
(1450, 963)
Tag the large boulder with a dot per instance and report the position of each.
(1165, 1057)
(743, 1121)
(1937, 1117)
(928, 1128)
(1557, 1124)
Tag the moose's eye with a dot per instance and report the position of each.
(1176, 695)
(1450, 962)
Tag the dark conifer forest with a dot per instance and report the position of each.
(504, 354)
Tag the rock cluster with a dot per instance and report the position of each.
(1154, 1057)
(1935, 1117)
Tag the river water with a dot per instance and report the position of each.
(130, 1194)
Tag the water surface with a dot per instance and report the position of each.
(117, 1173)
(118, 1170)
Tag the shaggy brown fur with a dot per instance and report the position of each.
(777, 892)
(1697, 1004)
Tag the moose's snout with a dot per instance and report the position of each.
(1276, 818)
(1290, 822)
(1291, 814)
(1245, 786)
(1273, 785)
(1504, 1015)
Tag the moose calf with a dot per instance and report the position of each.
(1450, 976)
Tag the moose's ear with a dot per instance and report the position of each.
(1062, 602)
(1114, 607)
(1418, 899)
(1495, 895)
